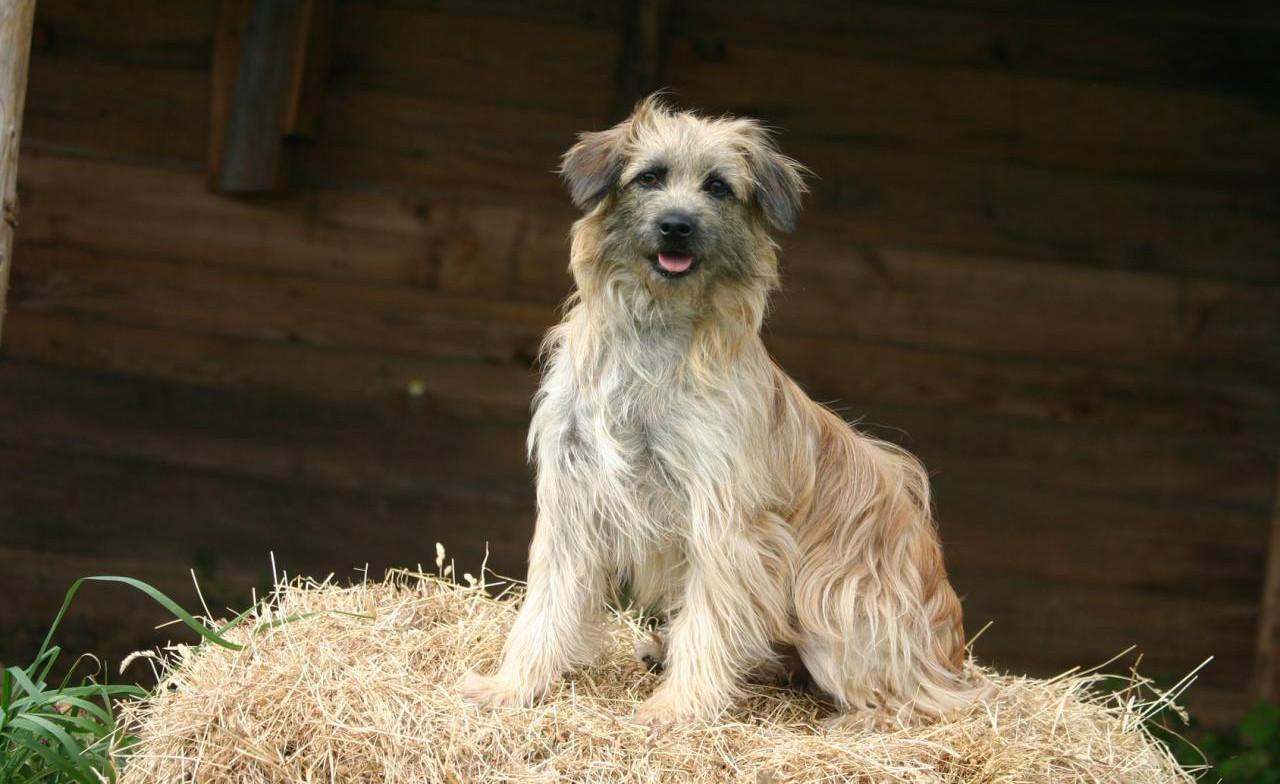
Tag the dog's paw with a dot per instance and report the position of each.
(650, 652)
(491, 691)
(665, 708)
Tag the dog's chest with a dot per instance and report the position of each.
(622, 436)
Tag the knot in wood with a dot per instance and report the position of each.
(11, 211)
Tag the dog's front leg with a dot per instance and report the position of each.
(555, 628)
(722, 630)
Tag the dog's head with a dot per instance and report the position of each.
(677, 201)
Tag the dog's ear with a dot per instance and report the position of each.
(778, 180)
(591, 167)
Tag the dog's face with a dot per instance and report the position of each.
(683, 200)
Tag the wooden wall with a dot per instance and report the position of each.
(1043, 252)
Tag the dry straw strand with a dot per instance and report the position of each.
(360, 687)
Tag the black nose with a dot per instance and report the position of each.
(675, 224)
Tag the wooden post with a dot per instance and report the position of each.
(1266, 662)
(644, 25)
(269, 62)
(16, 19)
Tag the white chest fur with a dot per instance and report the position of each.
(615, 427)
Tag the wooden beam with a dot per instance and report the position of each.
(310, 65)
(269, 61)
(644, 24)
(16, 19)
(1266, 668)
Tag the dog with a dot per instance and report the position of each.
(675, 457)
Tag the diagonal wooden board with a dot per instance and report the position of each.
(16, 18)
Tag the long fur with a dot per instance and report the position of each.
(675, 456)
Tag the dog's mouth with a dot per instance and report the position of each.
(674, 265)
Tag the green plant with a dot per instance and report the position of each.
(1248, 753)
(63, 733)
(57, 733)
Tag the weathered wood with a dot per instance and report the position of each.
(412, 51)
(1225, 53)
(230, 523)
(135, 112)
(643, 46)
(439, 244)
(260, 39)
(500, 392)
(397, 446)
(230, 30)
(288, 308)
(1069, 624)
(16, 19)
(985, 115)
(862, 194)
(392, 443)
(238, 521)
(1000, 305)
(269, 64)
(1041, 252)
(1266, 662)
(309, 68)
(853, 374)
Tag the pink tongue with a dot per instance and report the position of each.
(674, 262)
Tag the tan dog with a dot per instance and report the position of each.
(673, 455)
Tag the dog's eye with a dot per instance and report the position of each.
(649, 179)
(717, 188)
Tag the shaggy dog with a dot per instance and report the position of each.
(675, 457)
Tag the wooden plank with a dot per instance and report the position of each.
(239, 522)
(1036, 558)
(109, 621)
(440, 147)
(15, 48)
(643, 48)
(465, 388)
(983, 115)
(1266, 663)
(310, 68)
(868, 195)
(394, 447)
(1187, 547)
(230, 31)
(442, 244)
(112, 110)
(850, 373)
(262, 40)
(569, 13)
(1025, 307)
(526, 63)
(1211, 54)
(1045, 628)
(1141, 14)
(273, 306)
(148, 33)
(957, 301)
(882, 197)
(1108, 461)
(224, 527)
(269, 65)
(391, 442)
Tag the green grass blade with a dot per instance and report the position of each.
(41, 725)
(37, 741)
(156, 595)
(24, 683)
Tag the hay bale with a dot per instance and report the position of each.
(337, 697)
